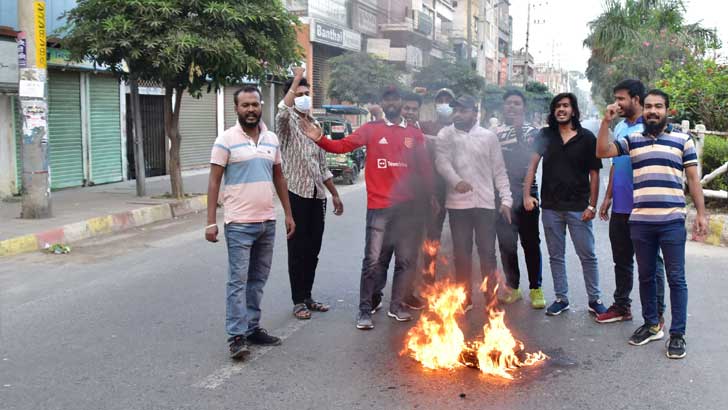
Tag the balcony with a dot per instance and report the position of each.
(407, 32)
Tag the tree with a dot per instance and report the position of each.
(190, 46)
(698, 92)
(632, 39)
(360, 78)
(537, 96)
(458, 77)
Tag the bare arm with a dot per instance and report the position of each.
(279, 181)
(290, 94)
(588, 215)
(213, 191)
(529, 202)
(696, 192)
(605, 145)
(338, 204)
(607, 203)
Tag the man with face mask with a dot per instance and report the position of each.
(304, 166)
(398, 181)
(470, 159)
(660, 157)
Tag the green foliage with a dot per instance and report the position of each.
(184, 44)
(698, 91)
(633, 39)
(715, 154)
(458, 77)
(361, 78)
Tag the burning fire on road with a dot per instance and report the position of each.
(437, 341)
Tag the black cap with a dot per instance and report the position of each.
(465, 101)
(391, 90)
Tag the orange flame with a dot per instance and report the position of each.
(431, 248)
(437, 341)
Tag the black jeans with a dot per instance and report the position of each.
(433, 235)
(526, 225)
(305, 245)
(395, 230)
(623, 256)
(463, 223)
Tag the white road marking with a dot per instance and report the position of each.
(222, 375)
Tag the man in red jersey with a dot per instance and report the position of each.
(398, 179)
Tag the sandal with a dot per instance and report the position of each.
(301, 312)
(317, 306)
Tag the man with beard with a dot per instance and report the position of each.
(250, 160)
(304, 166)
(470, 160)
(569, 190)
(398, 181)
(628, 97)
(517, 140)
(659, 157)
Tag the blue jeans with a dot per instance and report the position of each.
(395, 230)
(670, 238)
(250, 253)
(555, 223)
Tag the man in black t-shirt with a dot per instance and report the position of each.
(569, 193)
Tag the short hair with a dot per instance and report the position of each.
(660, 93)
(575, 119)
(289, 83)
(247, 89)
(512, 92)
(413, 97)
(634, 88)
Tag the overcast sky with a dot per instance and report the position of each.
(558, 27)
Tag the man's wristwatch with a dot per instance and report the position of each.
(591, 208)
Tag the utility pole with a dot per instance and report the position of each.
(32, 90)
(525, 58)
(469, 48)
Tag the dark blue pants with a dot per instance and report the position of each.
(670, 238)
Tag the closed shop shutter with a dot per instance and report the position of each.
(231, 117)
(105, 130)
(198, 128)
(64, 129)
(18, 127)
(322, 72)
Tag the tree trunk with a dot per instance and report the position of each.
(171, 128)
(136, 114)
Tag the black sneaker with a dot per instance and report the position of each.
(376, 302)
(238, 349)
(645, 334)
(261, 337)
(414, 303)
(676, 346)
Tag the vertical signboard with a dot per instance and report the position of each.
(40, 34)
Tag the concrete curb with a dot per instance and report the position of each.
(717, 229)
(101, 225)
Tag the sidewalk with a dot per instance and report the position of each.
(80, 213)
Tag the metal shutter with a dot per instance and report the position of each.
(105, 130)
(64, 129)
(198, 128)
(18, 127)
(231, 117)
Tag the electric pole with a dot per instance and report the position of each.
(525, 58)
(469, 49)
(33, 95)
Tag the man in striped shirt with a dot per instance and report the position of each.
(659, 156)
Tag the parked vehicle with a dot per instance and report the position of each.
(345, 166)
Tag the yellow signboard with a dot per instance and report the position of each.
(40, 34)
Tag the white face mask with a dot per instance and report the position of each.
(302, 103)
(443, 110)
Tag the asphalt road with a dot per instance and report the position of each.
(136, 321)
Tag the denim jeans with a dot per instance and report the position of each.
(395, 230)
(250, 252)
(623, 256)
(555, 223)
(670, 238)
(463, 224)
(525, 225)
